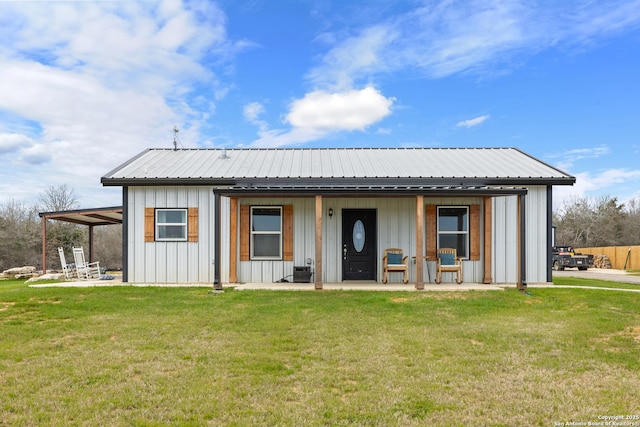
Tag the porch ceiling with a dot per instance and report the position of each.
(368, 189)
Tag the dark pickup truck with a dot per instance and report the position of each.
(565, 256)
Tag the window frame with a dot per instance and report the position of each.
(253, 233)
(184, 225)
(466, 233)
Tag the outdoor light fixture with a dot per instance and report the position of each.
(330, 212)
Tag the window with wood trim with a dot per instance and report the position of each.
(472, 235)
(171, 225)
(266, 232)
(453, 229)
(259, 249)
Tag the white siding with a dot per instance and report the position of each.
(185, 262)
(505, 237)
(170, 262)
(395, 228)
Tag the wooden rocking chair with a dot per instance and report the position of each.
(394, 261)
(448, 262)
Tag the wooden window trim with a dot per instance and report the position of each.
(474, 231)
(150, 225)
(287, 232)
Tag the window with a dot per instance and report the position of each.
(171, 224)
(266, 232)
(453, 229)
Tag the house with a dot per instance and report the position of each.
(264, 215)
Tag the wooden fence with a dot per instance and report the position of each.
(618, 255)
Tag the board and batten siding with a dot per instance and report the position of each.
(171, 262)
(193, 262)
(505, 237)
(395, 228)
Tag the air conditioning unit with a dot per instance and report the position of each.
(302, 274)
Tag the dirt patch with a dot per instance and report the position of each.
(45, 301)
(632, 332)
(435, 296)
(4, 306)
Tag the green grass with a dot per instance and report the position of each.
(165, 356)
(579, 281)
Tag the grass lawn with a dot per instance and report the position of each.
(579, 281)
(167, 356)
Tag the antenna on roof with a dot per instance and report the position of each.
(175, 137)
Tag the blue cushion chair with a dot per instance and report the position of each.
(394, 261)
(448, 262)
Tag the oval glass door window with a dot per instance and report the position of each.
(358, 236)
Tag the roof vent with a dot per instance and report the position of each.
(224, 155)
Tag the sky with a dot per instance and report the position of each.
(86, 85)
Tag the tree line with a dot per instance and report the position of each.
(596, 222)
(21, 233)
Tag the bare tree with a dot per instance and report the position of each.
(60, 234)
(19, 235)
(58, 198)
(585, 222)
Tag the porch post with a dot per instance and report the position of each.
(217, 281)
(488, 244)
(318, 272)
(44, 245)
(549, 229)
(522, 245)
(91, 243)
(420, 242)
(233, 240)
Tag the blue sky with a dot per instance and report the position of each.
(85, 85)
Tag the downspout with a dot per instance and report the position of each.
(549, 232)
(217, 284)
(125, 234)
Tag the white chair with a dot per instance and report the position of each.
(85, 270)
(67, 269)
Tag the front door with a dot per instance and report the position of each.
(359, 244)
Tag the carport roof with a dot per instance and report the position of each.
(95, 216)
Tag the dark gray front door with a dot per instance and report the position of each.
(359, 244)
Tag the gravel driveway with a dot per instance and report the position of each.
(600, 274)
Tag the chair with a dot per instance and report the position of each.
(67, 269)
(394, 261)
(448, 262)
(85, 270)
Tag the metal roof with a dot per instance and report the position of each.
(336, 166)
(96, 216)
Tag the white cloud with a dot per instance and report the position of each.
(620, 183)
(330, 112)
(87, 85)
(569, 157)
(444, 38)
(473, 122)
(320, 113)
(252, 111)
(12, 142)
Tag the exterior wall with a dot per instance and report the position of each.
(396, 228)
(505, 237)
(193, 262)
(170, 262)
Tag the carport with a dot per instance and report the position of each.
(89, 217)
